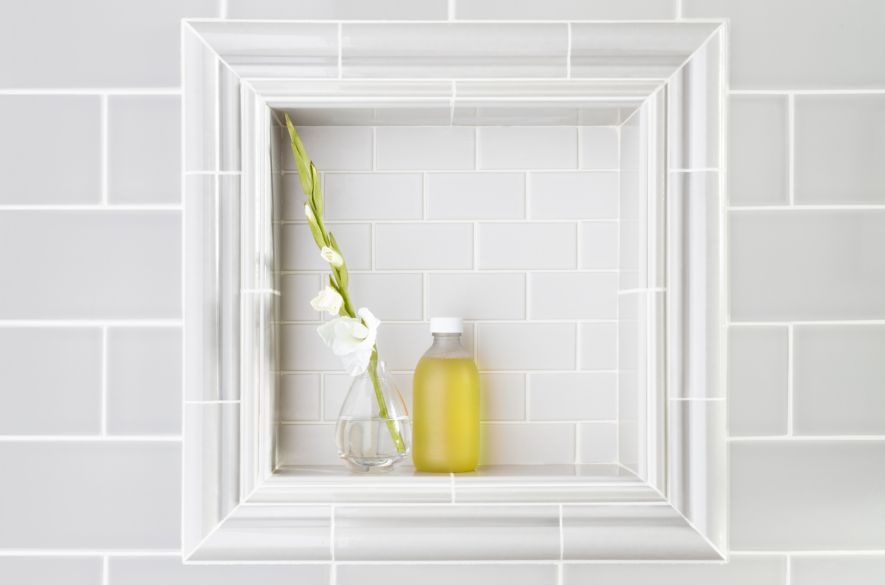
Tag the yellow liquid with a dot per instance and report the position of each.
(445, 432)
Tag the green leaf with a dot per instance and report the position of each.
(316, 194)
(315, 229)
(302, 161)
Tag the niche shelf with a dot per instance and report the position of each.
(255, 490)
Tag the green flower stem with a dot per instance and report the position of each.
(310, 183)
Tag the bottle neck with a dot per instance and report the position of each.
(447, 345)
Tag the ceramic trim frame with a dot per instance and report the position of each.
(235, 506)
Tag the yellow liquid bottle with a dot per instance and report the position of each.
(445, 404)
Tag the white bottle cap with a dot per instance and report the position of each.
(446, 325)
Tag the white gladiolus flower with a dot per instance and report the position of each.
(332, 257)
(327, 300)
(352, 339)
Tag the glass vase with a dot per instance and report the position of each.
(373, 431)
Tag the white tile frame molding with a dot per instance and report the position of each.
(235, 507)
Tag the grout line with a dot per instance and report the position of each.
(90, 438)
(789, 570)
(790, 378)
(128, 91)
(105, 169)
(809, 439)
(103, 206)
(791, 148)
(105, 570)
(452, 486)
(104, 381)
(618, 307)
(450, 10)
(859, 322)
(89, 323)
(222, 9)
(802, 207)
(332, 533)
(374, 148)
(425, 295)
(871, 91)
(425, 197)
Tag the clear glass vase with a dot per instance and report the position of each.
(373, 431)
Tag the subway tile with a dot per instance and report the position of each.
(599, 245)
(373, 196)
(144, 380)
(296, 292)
(856, 569)
(51, 381)
(396, 297)
(335, 148)
(50, 148)
(757, 380)
(573, 295)
(795, 44)
(401, 345)
(467, 574)
(300, 252)
(808, 495)
(599, 346)
(454, 50)
(171, 571)
(526, 346)
(578, 396)
(301, 348)
(502, 397)
(742, 570)
(477, 296)
(524, 246)
(50, 570)
(145, 39)
(424, 148)
(307, 444)
(564, 10)
(90, 264)
(758, 158)
(536, 443)
(423, 246)
(527, 147)
(597, 442)
(299, 398)
(839, 380)
(144, 149)
(579, 195)
(341, 10)
(807, 265)
(476, 195)
(79, 495)
(839, 149)
(599, 147)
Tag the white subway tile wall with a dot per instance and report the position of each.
(806, 80)
(506, 249)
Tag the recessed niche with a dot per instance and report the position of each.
(562, 195)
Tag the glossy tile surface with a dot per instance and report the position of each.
(144, 381)
(758, 157)
(854, 570)
(839, 149)
(76, 162)
(793, 265)
(758, 374)
(584, 195)
(472, 196)
(148, 571)
(112, 264)
(51, 380)
(52, 570)
(738, 571)
(774, 485)
(839, 378)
